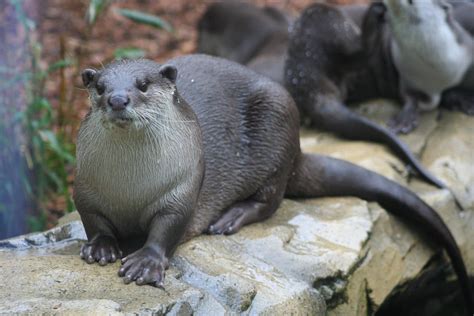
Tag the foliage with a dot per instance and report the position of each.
(145, 18)
(95, 9)
(129, 52)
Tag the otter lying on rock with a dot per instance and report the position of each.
(201, 144)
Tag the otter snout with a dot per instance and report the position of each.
(118, 101)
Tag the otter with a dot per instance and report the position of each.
(428, 62)
(201, 144)
(461, 98)
(379, 59)
(247, 34)
(242, 32)
(253, 36)
(328, 65)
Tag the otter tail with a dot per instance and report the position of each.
(318, 176)
(339, 119)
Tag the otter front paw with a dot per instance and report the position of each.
(102, 249)
(144, 266)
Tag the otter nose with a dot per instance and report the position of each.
(118, 102)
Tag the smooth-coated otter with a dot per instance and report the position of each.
(412, 53)
(250, 35)
(431, 51)
(204, 144)
(328, 65)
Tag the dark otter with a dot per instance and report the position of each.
(327, 65)
(461, 98)
(248, 35)
(204, 144)
(411, 63)
(242, 32)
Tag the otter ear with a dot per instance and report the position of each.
(88, 76)
(169, 72)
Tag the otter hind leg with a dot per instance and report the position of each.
(238, 215)
(406, 120)
(256, 208)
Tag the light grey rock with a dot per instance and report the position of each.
(331, 256)
(450, 155)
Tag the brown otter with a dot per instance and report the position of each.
(204, 144)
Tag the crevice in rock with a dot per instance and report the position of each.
(333, 288)
(371, 306)
(410, 248)
(428, 294)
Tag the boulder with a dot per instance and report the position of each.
(328, 256)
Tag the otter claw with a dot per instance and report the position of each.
(145, 266)
(101, 249)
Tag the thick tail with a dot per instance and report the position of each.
(339, 119)
(317, 176)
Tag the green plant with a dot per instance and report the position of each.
(145, 18)
(129, 52)
(50, 150)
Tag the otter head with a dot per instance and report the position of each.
(415, 11)
(130, 93)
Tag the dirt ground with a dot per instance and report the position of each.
(64, 33)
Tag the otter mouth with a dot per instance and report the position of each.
(121, 119)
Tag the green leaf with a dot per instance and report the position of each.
(50, 138)
(96, 7)
(63, 63)
(129, 52)
(145, 18)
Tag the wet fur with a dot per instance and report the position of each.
(335, 64)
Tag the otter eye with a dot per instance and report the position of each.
(142, 85)
(100, 88)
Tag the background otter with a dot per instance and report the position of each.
(327, 64)
(242, 32)
(224, 25)
(428, 62)
(253, 36)
(141, 162)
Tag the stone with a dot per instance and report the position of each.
(328, 256)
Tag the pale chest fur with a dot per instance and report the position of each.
(428, 55)
(127, 172)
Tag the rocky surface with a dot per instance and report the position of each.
(335, 256)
